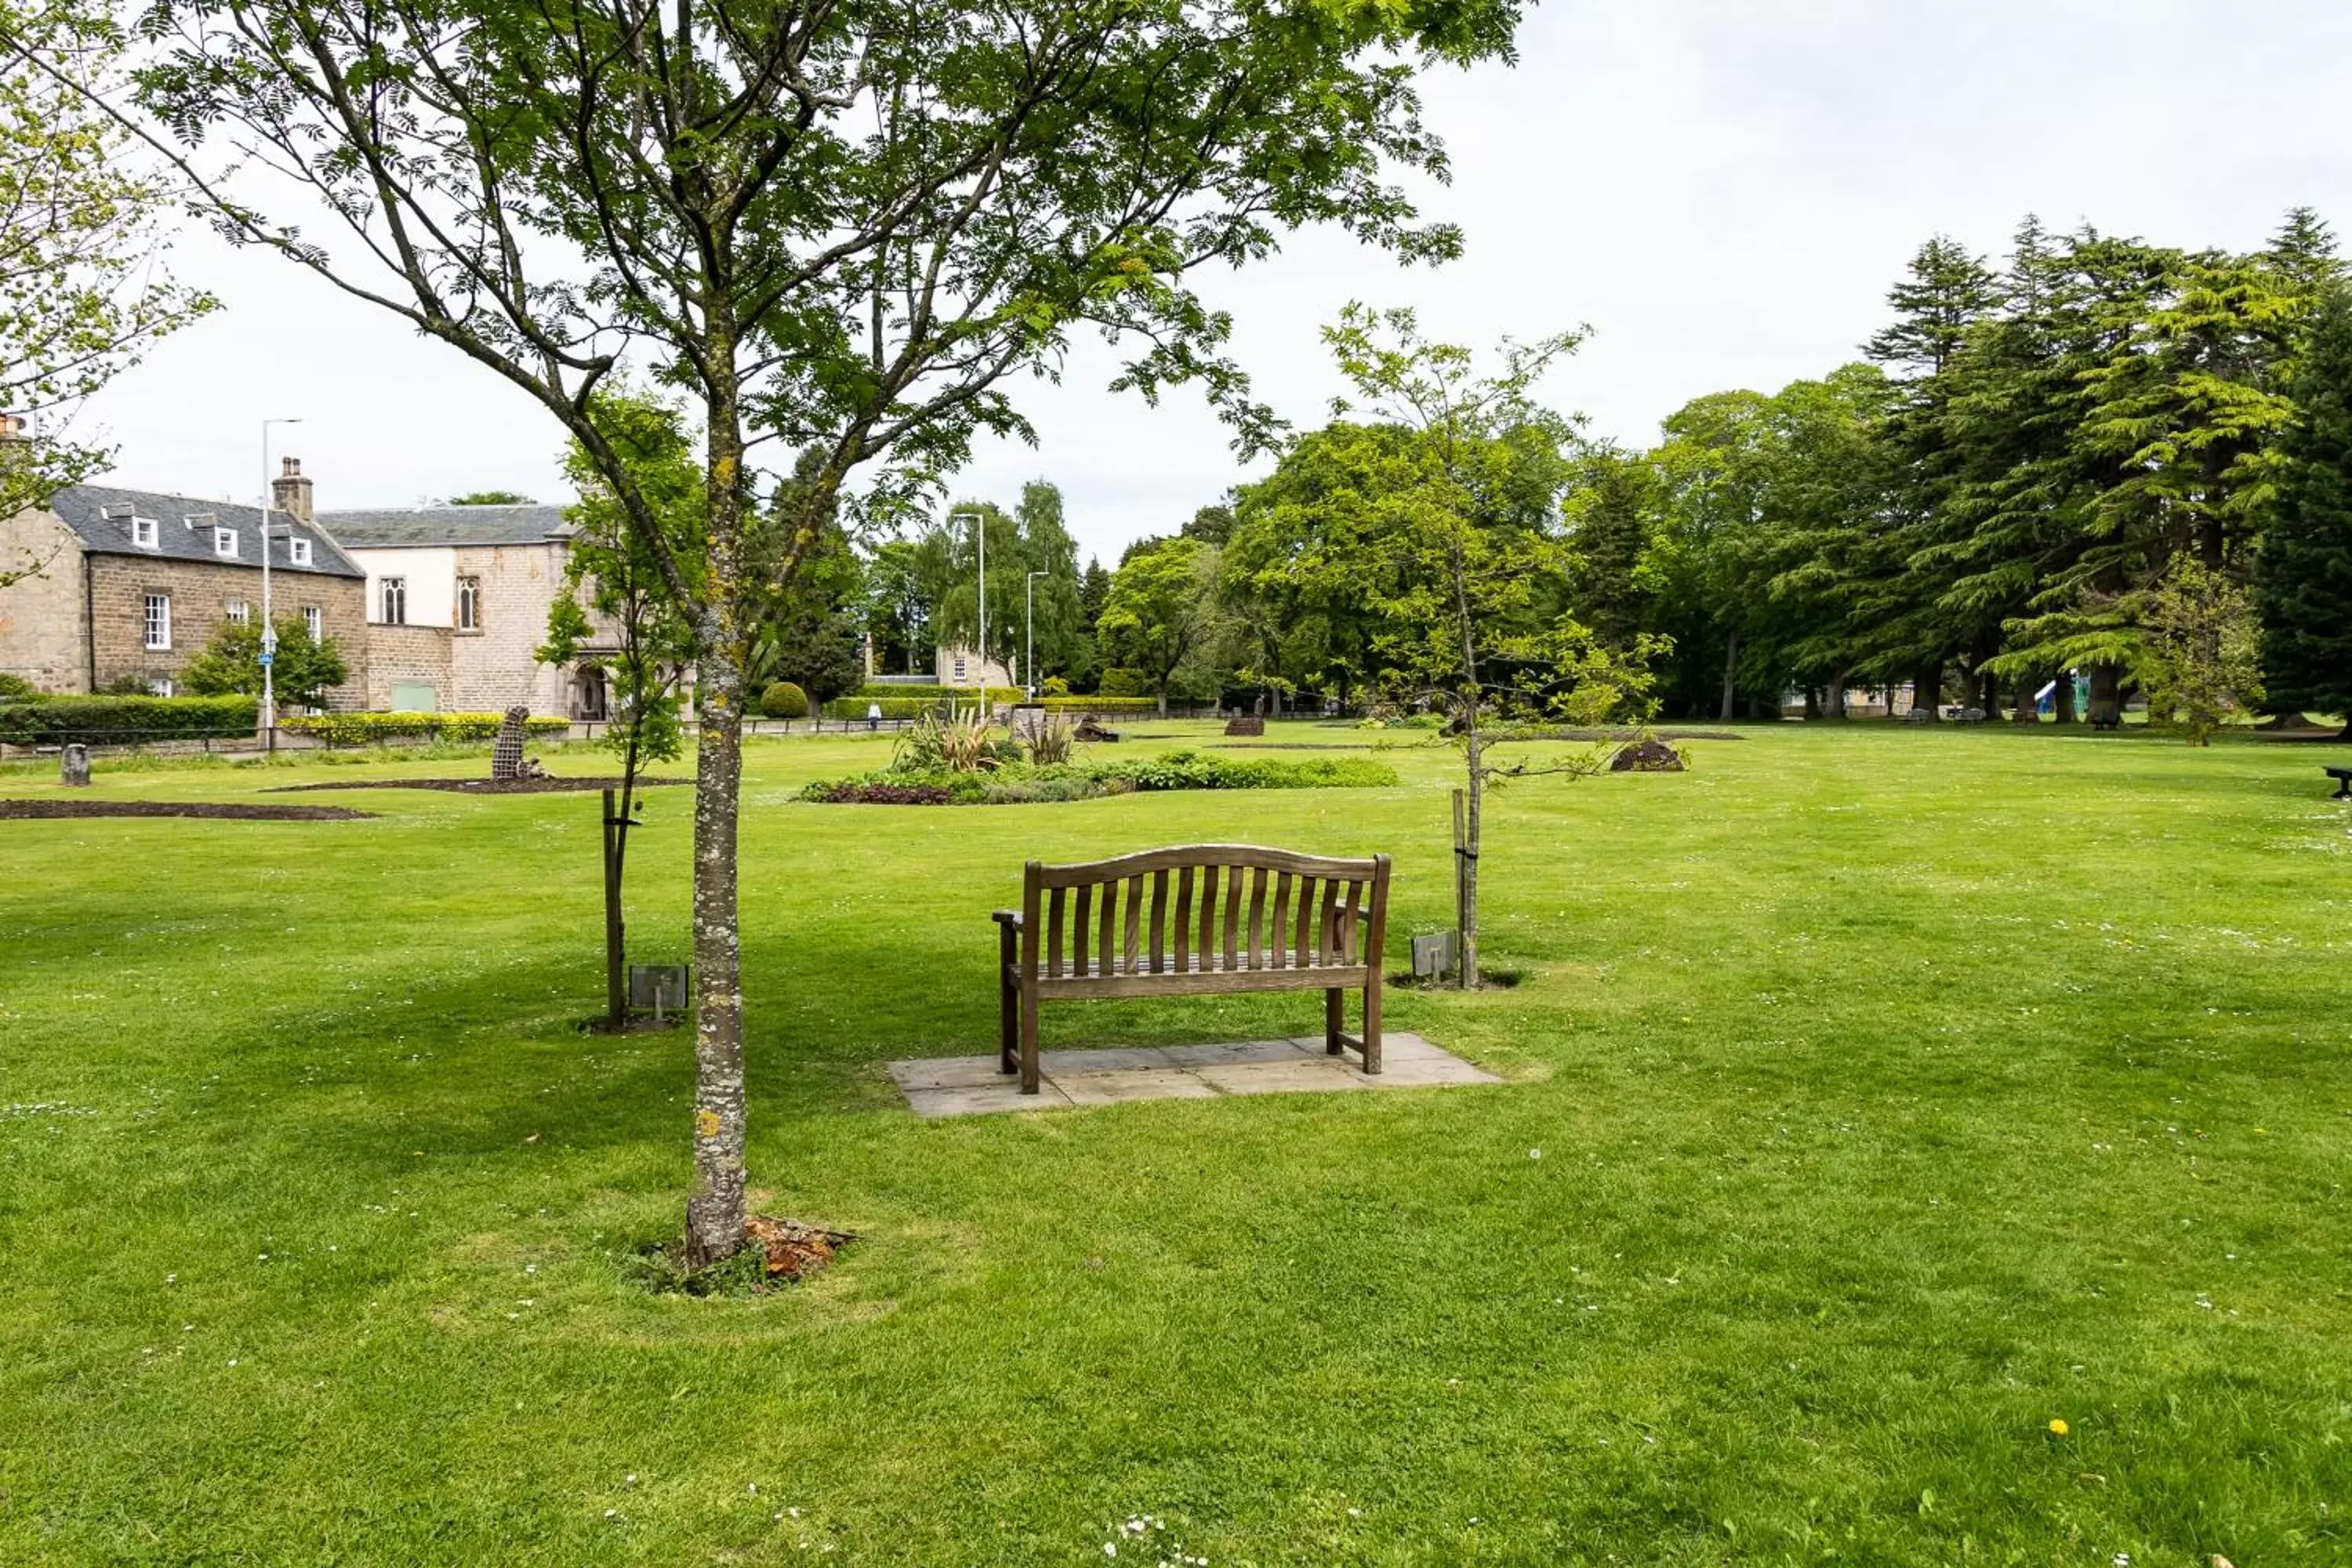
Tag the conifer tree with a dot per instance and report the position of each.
(2302, 581)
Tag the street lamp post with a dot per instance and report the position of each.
(269, 624)
(1029, 647)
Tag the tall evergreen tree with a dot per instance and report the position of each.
(2303, 580)
(1947, 293)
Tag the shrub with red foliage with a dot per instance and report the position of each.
(871, 792)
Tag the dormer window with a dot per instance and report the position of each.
(146, 533)
(300, 549)
(225, 543)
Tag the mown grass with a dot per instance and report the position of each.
(1877, 1098)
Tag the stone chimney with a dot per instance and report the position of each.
(290, 492)
(12, 427)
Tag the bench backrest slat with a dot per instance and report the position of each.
(1183, 917)
(1280, 958)
(1234, 879)
(1160, 920)
(1257, 918)
(1316, 921)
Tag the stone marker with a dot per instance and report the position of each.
(73, 765)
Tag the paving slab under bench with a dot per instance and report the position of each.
(970, 1086)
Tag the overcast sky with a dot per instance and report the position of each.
(1724, 189)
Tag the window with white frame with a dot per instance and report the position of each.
(300, 550)
(392, 601)
(145, 533)
(159, 686)
(239, 612)
(313, 620)
(159, 621)
(225, 543)
(470, 604)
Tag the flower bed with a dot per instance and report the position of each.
(1016, 784)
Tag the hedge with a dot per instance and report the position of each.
(929, 693)
(360, 729)
(55, 721)
(1100, 705)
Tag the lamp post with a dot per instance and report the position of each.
(1029, 647)
(269, 624)
(979, 543)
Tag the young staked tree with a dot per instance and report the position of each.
(615, 592)
(836, 227)
(2200, 662)
(2302, 574)
(1462, 552)
(82, 292)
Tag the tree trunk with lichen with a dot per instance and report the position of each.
(715, 1207)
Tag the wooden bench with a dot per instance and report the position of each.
(2343, 777)
(1201, 920)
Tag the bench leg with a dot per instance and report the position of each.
(2342, 791)
(1008, 1002)
(1029, 1070)
(1372, 1024)
(1335, 1018)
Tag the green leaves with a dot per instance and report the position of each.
(82, 291)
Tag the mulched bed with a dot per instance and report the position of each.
(794, 1250)
(479, 787)
(32, 808)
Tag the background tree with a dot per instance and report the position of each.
(2302, 578)
(611, 577)
(1295, 566)
(490, 498)
(83, 293)
(305, 667)
(834, 227)
(1164, 618)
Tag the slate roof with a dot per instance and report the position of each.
(413, 527)
(84, 507)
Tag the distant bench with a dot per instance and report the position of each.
(2343, 777)
(1201, 920)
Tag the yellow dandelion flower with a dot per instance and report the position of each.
(2057, 1429)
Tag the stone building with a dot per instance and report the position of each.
(458, 600)
(130, 585)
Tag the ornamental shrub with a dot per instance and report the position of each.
(783, 700)
(16, 689)
(121, 721)
(1054, 687)
(1120, 681)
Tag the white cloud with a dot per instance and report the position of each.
(1723, 188)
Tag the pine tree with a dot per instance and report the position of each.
(1948, 293)
(2303, 580)
(1941, 308)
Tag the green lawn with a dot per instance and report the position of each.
(1895, 1094)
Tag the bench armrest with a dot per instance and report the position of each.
(1007, 918)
